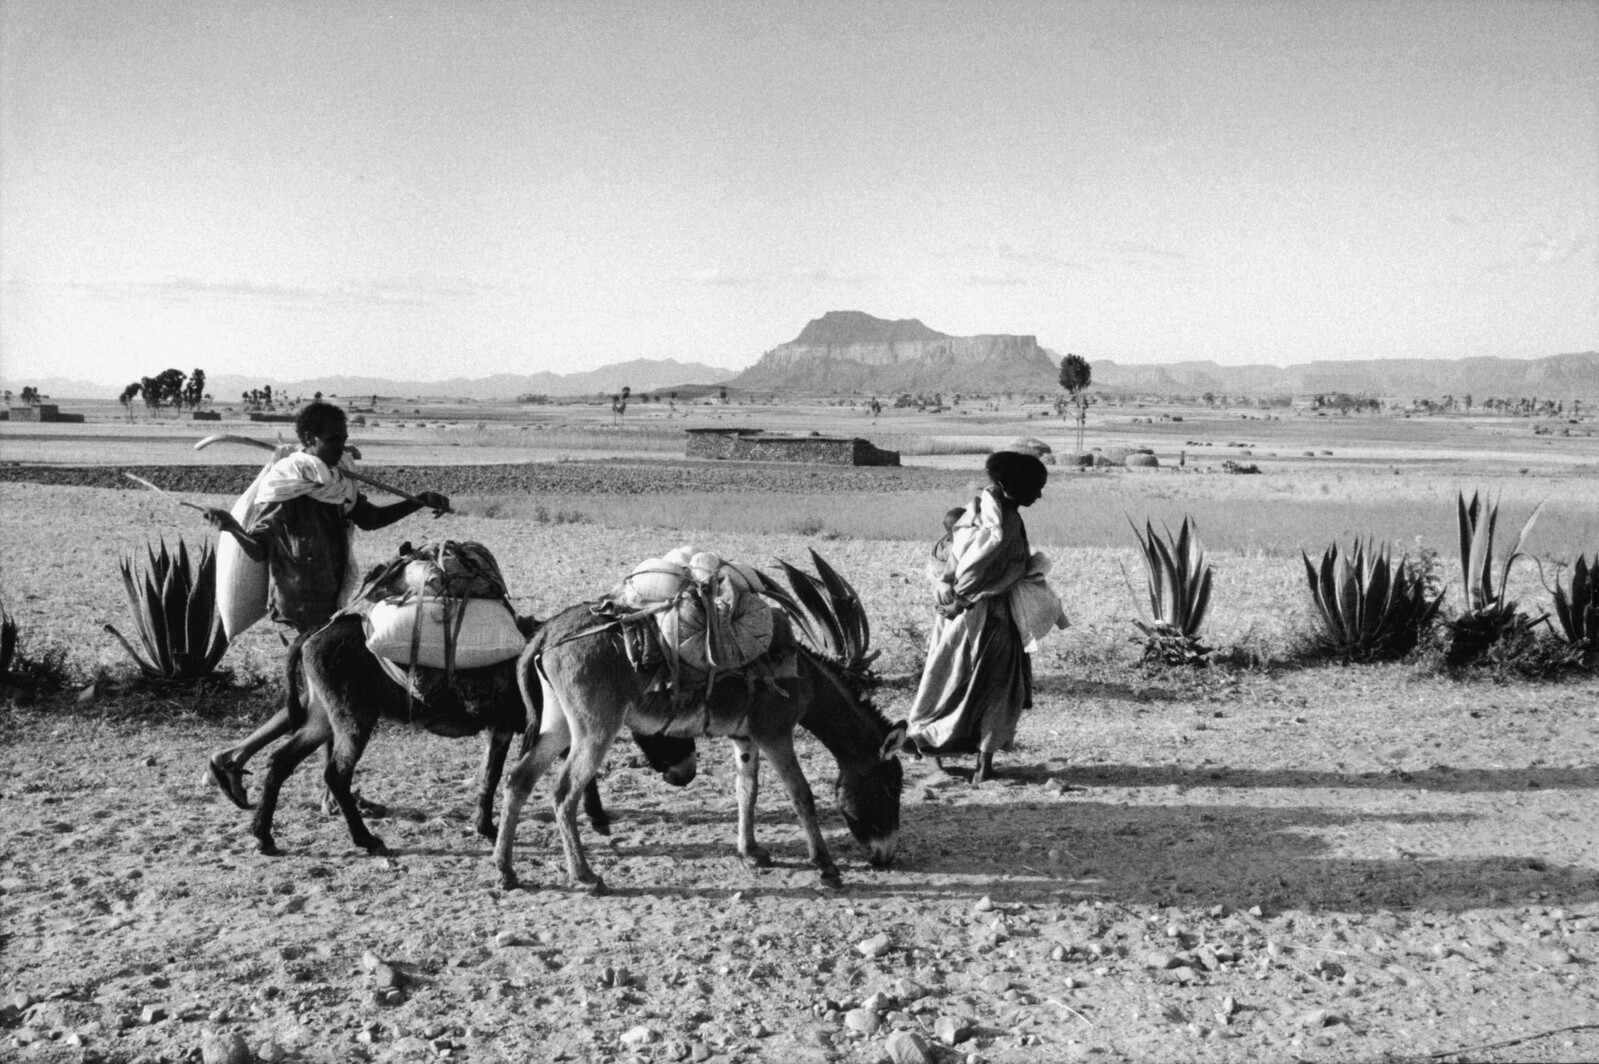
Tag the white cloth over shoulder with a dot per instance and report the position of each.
(302, 473)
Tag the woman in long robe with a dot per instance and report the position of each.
(978, 677)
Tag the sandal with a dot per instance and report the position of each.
(229, 778)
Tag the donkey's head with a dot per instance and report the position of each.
(868, 792)
(676, 759)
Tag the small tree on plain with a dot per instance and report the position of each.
(1075, 377)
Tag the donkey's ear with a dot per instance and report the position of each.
(893, 742)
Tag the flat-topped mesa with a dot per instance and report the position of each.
(849, 349)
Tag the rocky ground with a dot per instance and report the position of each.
(1216, 873)
(1235, 864)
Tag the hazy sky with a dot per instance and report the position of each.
(425, 189)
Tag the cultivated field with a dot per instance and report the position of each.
(1265, 860)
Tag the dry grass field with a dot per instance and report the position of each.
(1269, 859)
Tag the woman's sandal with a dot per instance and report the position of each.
(229, 778)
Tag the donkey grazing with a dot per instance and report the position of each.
(337, 692)
(581, 690)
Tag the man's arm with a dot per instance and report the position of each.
(369, 518)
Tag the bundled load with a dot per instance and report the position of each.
(1034, 605)
(709, 612)
(440, 606)
(242, 583)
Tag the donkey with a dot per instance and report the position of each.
(337, 692)
(580, 691)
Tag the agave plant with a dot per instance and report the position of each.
(829, 614)
(1179, 595)
(1577, 606)
(174, 610)
(1371, 608)
(1488, 615)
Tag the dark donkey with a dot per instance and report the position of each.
(581, 691)
(337, 692)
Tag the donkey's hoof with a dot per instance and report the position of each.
(376, 847)
(758, 857)
(508, 880)
(832, 880)
(488, 830)
(266, 847)
(595, 888)
(601, 825)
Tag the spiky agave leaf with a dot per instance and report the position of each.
(1577, 605)
(173, 602)
(1488, 614)
(820, 627)
(1370, 607)
(847, 607)
(8, 643)
(1179, 585)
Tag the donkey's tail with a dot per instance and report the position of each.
(527, 677)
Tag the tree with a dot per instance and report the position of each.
(194, 391)
(30, 395)
(127, 397)
(1075, 376)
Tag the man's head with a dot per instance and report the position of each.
(323, 431)
(950, 518)
(1019, 477)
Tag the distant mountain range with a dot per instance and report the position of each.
(1555, 377)
(641, 375)
(849, 352)
(846, 351)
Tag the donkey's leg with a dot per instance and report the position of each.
(747, 762)
(779, 750)
(551, 742)
(583, 762)
(594, 808)
(281, 765)
(488, 779)
(343, 753)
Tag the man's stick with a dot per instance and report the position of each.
(359, 477)
(162, 492)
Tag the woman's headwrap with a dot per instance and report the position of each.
(1019, 475)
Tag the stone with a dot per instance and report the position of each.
(1160, 960)
(985, 904)
(908, 990)
(879, 1003)
(907, 1047)
(862, 1021)
(386, 977)
(152, 1014)
(1319, 1018)
(875, 946)
(229, 1048)
(997, 983)
(507, 939)
(638, 1036)
(951, 1030)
